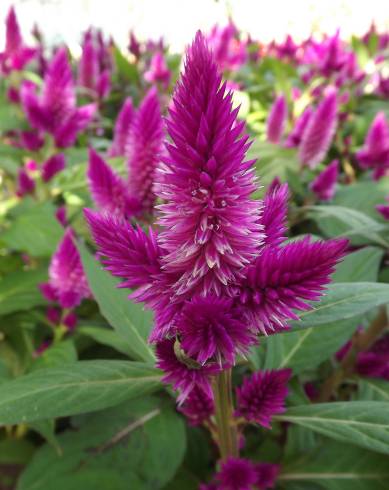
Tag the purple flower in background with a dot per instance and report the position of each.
(67, 282)
(216, 246)
(134, 46)
(110, 191)
(267, 474)
(55, 112)
(90, 73)
(295, 136)
(277, 119)
(319, 131)
(383, 209)
(60, 214)
(237, 474)
(229, 52)
(324, 185)
(122, 129)
(158, 71)
(198, 407)
(263, 395)
(16, 55)
(375, 153)
(25, 184)
(52, 166)
(31, 140)
(143, 149)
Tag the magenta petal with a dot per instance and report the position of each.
(277, 119)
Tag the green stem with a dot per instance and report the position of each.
(226, 428)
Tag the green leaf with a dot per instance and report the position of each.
(361, 423)
(106, 337)
(125, 69)
(373, 389)
(19, 291)
(343, 301)
(305, 349)
(55, 356)
(360, 266)
(35, 231)
(337, 221)
(129, 319)
(15, 451)
(336, 466)
(83, 386)
(142, 442)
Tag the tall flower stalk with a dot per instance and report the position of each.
(218, 273)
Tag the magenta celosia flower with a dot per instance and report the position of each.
(183, 373)
(198, 407)
(210, 328)
(122, 129)
(324, 185)
(295, 136)
(282, 279)
(16, 55)
(211, 225)
(287, 49)
(277, 119)
(229, 52)
(67, 282)
(216, 245)
(91, 75)
(383, 209)
(134, 46)
(25, 184)
(143, 148)
(263, 395)
(237, 474)
(158, 71)
(267, 474)
(110, 191)
(375, 153)
(31, 140)
(319, 131)
(60, 215)
(52, 166)
(55, 112)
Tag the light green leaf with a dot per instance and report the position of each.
(336, 466)
(56, 355)
(360, 266)
(129, 319)
(373, 389)
(106, 337)
(19, 291)
(80, 387)
(343, 301)
(364, 424)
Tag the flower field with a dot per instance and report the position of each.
(194, 273)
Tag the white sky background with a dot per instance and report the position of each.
(178, 20)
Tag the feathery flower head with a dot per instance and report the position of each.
(158, 71)
(277, 119)
(60, 215)
(283, 279)
(319, 131)
(198, 407)
(211, 225)
(52, 166)
(375, 153)
(25, 184)
(55, 112)
(274, 217)
(295, 136)
(324, 185)
(122, 129)
(67, 282)
(263, 395)
(237, 474)
(229, 52)
(88, 68)
(134, 46)
(267, 474)
(383, 209)
(16, 55)
(109, 191)
(210, 328)
(144, 148)
(31, 140)
(181, 371)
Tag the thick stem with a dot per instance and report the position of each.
(359, 343)
(226, 428)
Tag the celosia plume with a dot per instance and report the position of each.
(295, 136)
(236, 474)
(67, 282)
(324, 185)
(52, 166)
(25, 184)
(375, 153)
(144, 147)
(319, 131)
(263, 395)
(276, 120)
(198, 407)
(122, 129)
(158, 71)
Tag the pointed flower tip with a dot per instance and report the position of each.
(324, 185)
(277, 119)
